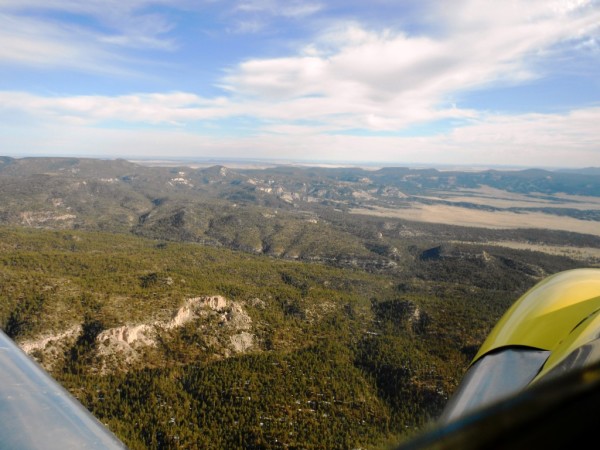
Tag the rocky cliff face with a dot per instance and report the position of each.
(124, 345)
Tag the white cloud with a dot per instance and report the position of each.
(117, 14)
(568, 140)
(542, 140)
(349, 78)
(388, 80)
(288, 8)
(29, 37)
(254, 16)
(33, 42)
(570, 132)
(150, 109)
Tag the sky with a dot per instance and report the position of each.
(389, 82)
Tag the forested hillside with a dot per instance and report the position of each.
(338, 357)
(211, 308)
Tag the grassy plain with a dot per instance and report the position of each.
(498, 198)
(487, 207)
(468, 217)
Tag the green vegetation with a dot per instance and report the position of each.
(334, 330)
(344, 358)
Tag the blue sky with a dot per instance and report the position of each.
(460, 82)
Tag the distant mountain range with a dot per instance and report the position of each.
(585, 171)
(282, 211)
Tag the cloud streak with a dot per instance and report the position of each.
(150, 109)
(99, 41)
(72, 125)
(291, 8)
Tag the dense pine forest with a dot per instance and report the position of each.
(342, 358)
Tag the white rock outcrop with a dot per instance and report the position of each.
(124, 344)
(128, 339)
(42, 342)
(242, 342)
